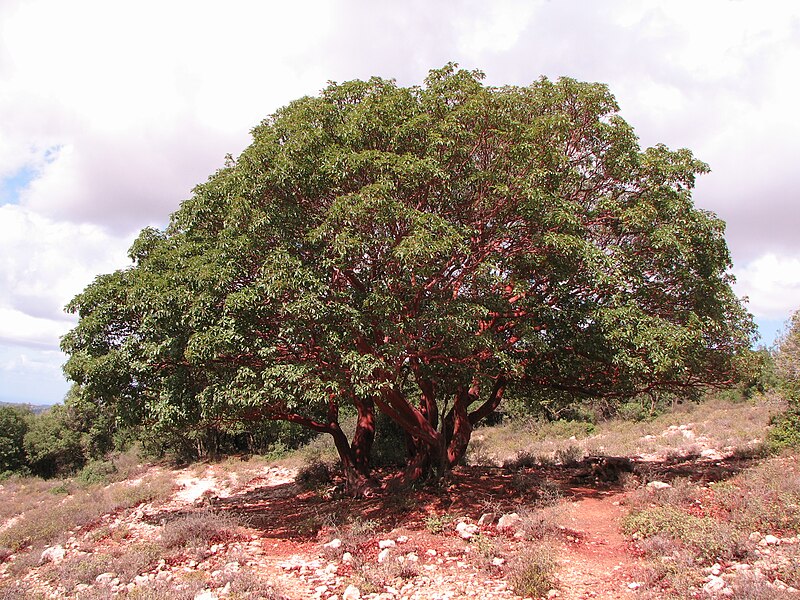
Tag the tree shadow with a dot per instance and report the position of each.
(288, 511)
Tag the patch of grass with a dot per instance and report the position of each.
(532, 572)
(197, 530)
(570, 455)
(17, 590)
(371, 577)
(708, 538)
(541, 523)
(51, 517)
(249, 585)
(77, 569)
(158, 590)
(136, 559)
(436, 524)
(763, 497)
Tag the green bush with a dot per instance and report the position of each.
(52, 446)
(14, 422)
(785, 430)
(97, 471)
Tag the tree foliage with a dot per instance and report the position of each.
(14, 421)
(418, 250)
(787, 356)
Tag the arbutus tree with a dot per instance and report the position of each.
(419, 250)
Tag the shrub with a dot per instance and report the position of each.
(436, 523)
(52, 446)
(136, 559)
(96, 471)
(785, 430)
(198, 530)
(523, 460)
(77, 569)
(531, 573)
(249, 585)
(13, 427)
(708, 538)
(569, 455)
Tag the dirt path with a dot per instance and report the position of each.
(596, 562)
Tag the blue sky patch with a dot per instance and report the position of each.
(11, 187)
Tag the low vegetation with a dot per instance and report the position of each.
(687, 528)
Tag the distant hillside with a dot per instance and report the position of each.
(36, 409)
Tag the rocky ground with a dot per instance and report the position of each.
(255, 533)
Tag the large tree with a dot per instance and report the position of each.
(419, 250)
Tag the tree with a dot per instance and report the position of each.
(419, 250)
(785, 431)
(52, 445)
(787, 356)
(14, 422)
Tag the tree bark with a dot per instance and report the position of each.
(364, 435)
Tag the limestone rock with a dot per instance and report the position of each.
(508, 521)
(54, 554)
(466, 530)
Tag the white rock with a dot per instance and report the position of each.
(386, 544)
(430, 552)
(634, 585)
(142, 580)
(232, 567)
(104, 578)
(412, 557)
(334, 543)
(383, 555)
(771, 540)
(716, 569)
(715, 584)
(205, 595)
(347, 557)
(498, 562)
(54, 554)
(466, 530)
(508, 521)
(658, 485)
(351, 593)
(401, 539)
(711, 454)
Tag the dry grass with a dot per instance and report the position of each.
(719, 423)
(198, 530)
(531, 573)
(47, 518)
(765, 497)
(687, 527)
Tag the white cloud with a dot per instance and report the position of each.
(772, 284)
(43, 264)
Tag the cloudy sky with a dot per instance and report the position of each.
(111, 111)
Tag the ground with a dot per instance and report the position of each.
(550, 526)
